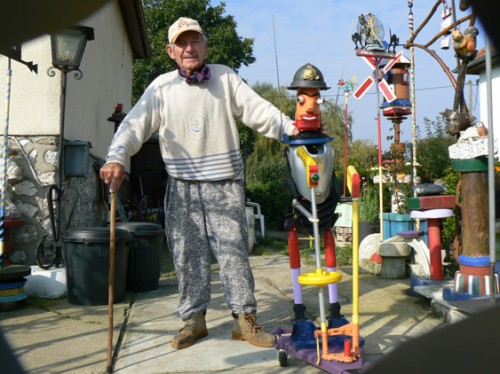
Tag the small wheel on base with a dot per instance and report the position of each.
(282, 358)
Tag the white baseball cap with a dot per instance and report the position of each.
(183, 24)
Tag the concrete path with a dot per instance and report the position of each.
(53, 336)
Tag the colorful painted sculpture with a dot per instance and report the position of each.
(314, 189)
(310, 164)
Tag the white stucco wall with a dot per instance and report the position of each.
(35, 100)
(483, 109)
(107, 80)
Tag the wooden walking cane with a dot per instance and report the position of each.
(112, 251)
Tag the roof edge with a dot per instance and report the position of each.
(135, 24)
(476, 66)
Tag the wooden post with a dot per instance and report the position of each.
(475, 234)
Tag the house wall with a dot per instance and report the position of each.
(35, 100)
(483, 109)
(107, 80)
(35, 122)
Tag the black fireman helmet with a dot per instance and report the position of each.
(308, 76)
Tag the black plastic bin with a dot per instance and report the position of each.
(86, 253)
(143, 271)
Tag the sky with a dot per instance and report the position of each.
(290, 33)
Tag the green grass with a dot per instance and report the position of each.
(344, 255)
(43, 303)
(269, 245)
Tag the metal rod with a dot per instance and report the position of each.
(455, 25)
(321, 298)
(379, 139)
(61, 158)
(491, 170)
(315, 227)
(3, 213)
(302, 209)
(413, 104)
(346, 136)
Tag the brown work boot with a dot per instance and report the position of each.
(194, 329)
(245, 327)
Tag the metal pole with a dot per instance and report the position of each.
(413, 103)
(60, 171)
(317, 250)
(491, 171)
(455, 26)
(346, 136)
(469, 84)
(379, 136)
(4, 166)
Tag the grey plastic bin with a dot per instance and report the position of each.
(86, 253)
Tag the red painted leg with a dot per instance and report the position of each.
(435, 248)
(330, 255)
(294, 255)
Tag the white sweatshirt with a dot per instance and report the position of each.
(196, 124)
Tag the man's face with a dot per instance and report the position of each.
(307, 114)
(188, 51)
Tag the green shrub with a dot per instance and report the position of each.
(368, 204)
(267, 187)
(344, 255)
(450, 179)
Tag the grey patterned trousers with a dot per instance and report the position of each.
(204, 216)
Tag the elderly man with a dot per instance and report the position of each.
(194, 110)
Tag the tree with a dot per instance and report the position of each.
(363, 155)
(432, 150)
(263, 147)
(266, 179)
(225, 46)
(249, 140)
(333, 119)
